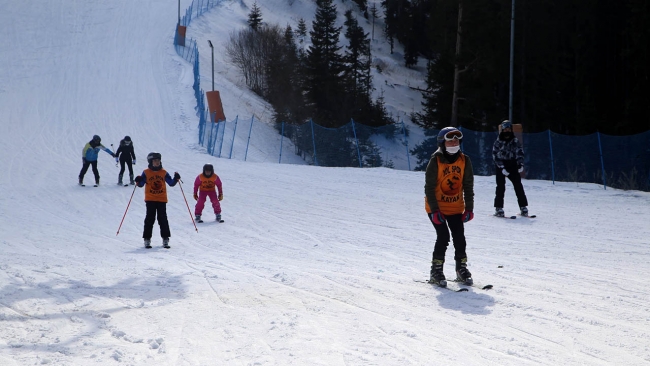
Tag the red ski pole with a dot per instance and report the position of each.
(188, 206)
(127, 209)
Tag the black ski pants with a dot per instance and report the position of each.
(515, 178)
(457, 227)
(84, 169)
(129, 164)
(153, 209)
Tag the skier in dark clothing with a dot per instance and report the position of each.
(508, 156)
(125, 155)
(89, 157)
(155, 197)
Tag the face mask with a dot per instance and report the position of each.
(452, 149)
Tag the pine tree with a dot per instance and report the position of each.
(357, 78)
(324, 67)
(301, 32)
(255, 17)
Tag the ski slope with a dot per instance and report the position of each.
(313, 266)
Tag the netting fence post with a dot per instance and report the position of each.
(354, 131)
(249, 137)
(602, 162)
(406, 141)
(223, 135)
(313, 140)
(234, 132)
(281, 139)
(550, 145)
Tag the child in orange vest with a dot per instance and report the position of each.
(206, 185)
(155, 197)
(449, 202)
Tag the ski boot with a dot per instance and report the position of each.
(198, 218)
(462, 273)
(131, 181)
(524, 211)
(166, 243)
(147, 243)
(218, 218)
(498, 211)
(437, 276)
(81, 181)
(119, 179)
(96, 183)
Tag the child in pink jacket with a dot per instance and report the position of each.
(204, 187)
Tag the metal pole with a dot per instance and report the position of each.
(602, 162)
(212, 64)
(179, 12)
(512, 58)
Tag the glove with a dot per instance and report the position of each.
(138, 179)
(133, 161)
(468, 216)
(437, 217)
(115, 156)
(117, 159)
(196, 197)
(521, 169)
(83, 160)
(220, 196)
(505, 172)
(177, 176)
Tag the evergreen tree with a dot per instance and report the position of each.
(255, 17)
(324, 68)
(357, 69)
(301, 32)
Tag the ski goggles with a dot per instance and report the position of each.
(453, 135)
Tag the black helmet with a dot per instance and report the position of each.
(209, 168)
(127, 138)
(152, 156)
(506, 124)
(96, 138)
(455, 134)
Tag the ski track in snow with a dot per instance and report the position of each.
(312, 266)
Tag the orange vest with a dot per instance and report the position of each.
(155, 188)
(207, 184)
(449, 187)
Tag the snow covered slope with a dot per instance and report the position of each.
(313, 266)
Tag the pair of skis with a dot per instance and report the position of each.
(457, 289)
(515, 216)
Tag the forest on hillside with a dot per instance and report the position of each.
(580, 66)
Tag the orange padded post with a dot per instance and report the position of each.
(180, 31)
(214, 105)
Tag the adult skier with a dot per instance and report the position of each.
(89, 156)
(125, 155)
(508, 156)
(449, 202)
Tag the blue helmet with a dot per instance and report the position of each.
(449, 133)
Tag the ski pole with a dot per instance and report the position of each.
(188, 206)
(127, 208)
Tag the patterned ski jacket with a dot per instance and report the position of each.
(449, 185)
(91, 151)
(507, 153)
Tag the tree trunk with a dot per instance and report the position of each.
(454, 100)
